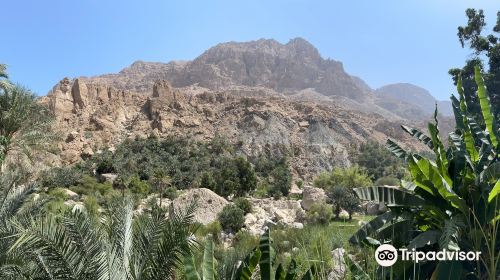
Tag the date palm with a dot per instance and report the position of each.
(118, 246)
(24, 123)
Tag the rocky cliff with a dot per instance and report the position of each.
(265, 97)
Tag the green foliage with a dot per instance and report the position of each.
(232, 218)
(75, 245)
(343, 198)
(24, 124)
(378, 162)
(450, 202)
(137, 186)
(352, 177)
(300, 184)
(212, 229)
(387, 181)
(244, 204)
(319, 213)
(64, 177)
(277, 174)
(483, 46)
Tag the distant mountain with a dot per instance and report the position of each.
(263, 96)
(410, 101)
(285, 68)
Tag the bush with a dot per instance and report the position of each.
(299, 184)
(378, 161)
(170, 193)
(387, 181)
(138, 186)
(319, 213)
(232, 218)
(244, 204)
(352, 177)
(214, 229)
(63, 177)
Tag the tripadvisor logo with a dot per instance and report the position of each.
(387, 255)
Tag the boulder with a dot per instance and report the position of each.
(109, 177)
(208, 203)
(311, 195)
(339, 265)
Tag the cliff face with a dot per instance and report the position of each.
(94, 117)
(285, 68)
(263, 96)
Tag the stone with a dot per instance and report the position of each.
(71, 194)
(312, 195)
(304, 124)
(209, 204)
(109, 177)
(298, 225)
(339, 269)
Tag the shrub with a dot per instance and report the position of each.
(319, 213)
(244, 204)
(352, 177)
(214, 229)
(378, 162)
(387, 181)
(299, 184)
(232, 218)
(63, 177)
(138, 186)
(170, 193)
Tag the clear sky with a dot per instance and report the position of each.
(383, 41)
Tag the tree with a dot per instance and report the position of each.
(4, 82)
(452, 202)
(161, 180)
(377, 161)
(24, 125)
(343, 198)
(481, 45)
(351, 177)
(118, 245)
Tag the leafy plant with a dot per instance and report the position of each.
(232, 218)
(319, 213)
(244, 204)
(451, 203)
(118, 245)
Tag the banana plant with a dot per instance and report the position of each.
(452, 202)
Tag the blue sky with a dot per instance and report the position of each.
(384, 41)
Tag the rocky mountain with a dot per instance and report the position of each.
(265, 97)
(410, 101)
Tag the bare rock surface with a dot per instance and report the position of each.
(312, 195)
(208, 204)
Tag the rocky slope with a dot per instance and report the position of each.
(265, 97)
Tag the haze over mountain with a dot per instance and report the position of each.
(263, 96)
(410, 101)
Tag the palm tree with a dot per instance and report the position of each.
(119, 245)
(4, 82)
(24, 125)
(162, 180)
(16, 204)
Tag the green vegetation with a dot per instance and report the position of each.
(320, 213)
(232, 218)
(483, 46)
(244, 204)
(452, 203)
(378, 162)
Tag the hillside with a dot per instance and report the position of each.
(263, 96)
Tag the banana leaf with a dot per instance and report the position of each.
(209, 261)
(484, 102)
